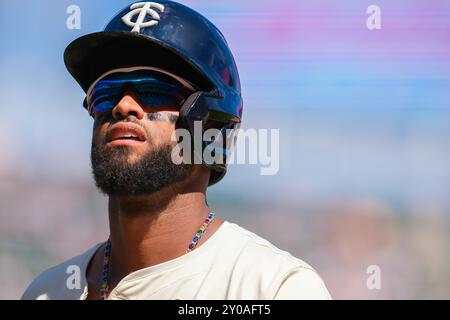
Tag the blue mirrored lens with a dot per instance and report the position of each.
(153, 89)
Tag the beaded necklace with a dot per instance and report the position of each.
(106, 259)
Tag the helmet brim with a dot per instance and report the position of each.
(90, 56)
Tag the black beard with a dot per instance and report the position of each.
(115, 176)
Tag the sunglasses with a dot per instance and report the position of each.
(153, 89)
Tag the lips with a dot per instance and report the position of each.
(125, 133)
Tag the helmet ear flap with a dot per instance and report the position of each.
(198, 108)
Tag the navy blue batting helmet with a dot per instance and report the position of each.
(170, 36)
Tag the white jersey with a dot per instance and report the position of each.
(233, 263)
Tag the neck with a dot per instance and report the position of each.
(151, 229)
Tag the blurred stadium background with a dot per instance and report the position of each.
(364, 125)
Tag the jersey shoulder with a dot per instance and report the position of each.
(63, 281)
(283, 275)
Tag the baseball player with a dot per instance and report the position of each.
(156, 68)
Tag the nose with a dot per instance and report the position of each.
(128, 106)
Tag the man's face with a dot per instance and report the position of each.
(131, 148)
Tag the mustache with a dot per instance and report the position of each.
(107, 117)
(128, 119)
(154, 116)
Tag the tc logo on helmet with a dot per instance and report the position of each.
(143, 9)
